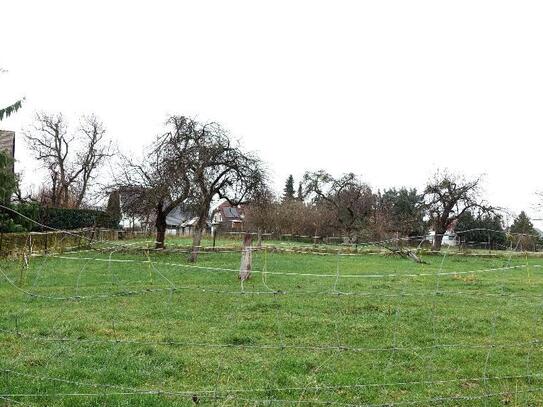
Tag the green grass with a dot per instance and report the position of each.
(401, 332)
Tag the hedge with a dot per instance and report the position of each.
(57, 218)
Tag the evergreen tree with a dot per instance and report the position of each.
(114, 208)
(523, 234)
(8, 184)
(8, 180)
(483, 228)
(300, 195)
(288, 192)
(7, 111)
(522, 224)
(406, 210)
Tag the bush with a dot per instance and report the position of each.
(57, 218)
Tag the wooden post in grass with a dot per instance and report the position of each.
(246, 258)
(259, 238)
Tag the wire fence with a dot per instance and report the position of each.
(311, 327)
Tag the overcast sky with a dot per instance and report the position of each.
(390, 90)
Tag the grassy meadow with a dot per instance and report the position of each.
(129, 327)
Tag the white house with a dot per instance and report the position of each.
(450, 238)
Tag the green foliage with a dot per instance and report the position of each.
(62, 218)
(58, 218)
(9, 110)
(406, 210)
(113, 209)
(522, 224)
(8, 184)
(523, 235)
(8, 179)
(300, 194)
(288, 192)
(483, 229)
(8, 225)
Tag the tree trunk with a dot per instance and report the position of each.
(196, 240)
(438, 238)
(160, 229)
(199, 229)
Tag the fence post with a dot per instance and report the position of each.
(246, 258)
(46, 242)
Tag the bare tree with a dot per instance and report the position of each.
(447, 197)
(93, 154)
(219, 169)
(160, 181)
(347, 196)
(71, 159)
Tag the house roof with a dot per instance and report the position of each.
(231, 213)
(192, 222)
(178, 216)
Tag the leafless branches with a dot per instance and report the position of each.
(71, 159)
(350, 199)
(191, 164)
(447, 197)
(159, 182)
(220, 169)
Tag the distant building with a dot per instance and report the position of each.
(229, 218)
(7, 144)
(450, 238)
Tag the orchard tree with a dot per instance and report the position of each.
(219, 168)
(447, 197)
(160, 181)
(350, 199)
(261, 214)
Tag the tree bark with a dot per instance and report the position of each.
(160, 229)
(196, 240)
(438, 239)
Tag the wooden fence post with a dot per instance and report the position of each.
(246, 258)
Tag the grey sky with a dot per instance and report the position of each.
(388, 89)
